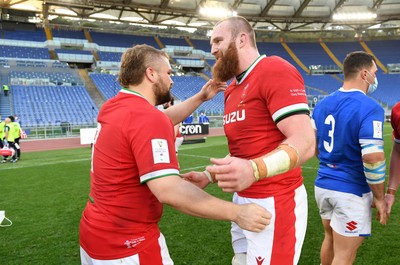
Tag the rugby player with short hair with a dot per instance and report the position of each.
(269, 132)
(351, 175)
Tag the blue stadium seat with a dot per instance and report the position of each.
(50, 105)
(107, 84)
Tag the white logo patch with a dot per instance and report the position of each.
(377, 129)
(160, 151)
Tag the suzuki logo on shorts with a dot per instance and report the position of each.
(235, 116)
(351, 225)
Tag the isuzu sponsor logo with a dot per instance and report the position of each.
(239, 115)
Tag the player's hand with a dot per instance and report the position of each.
(252, 217)
(197, 178)
(381, 208)
(232, 173)
(389, 198)
(212, 88)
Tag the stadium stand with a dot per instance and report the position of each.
(174, 41)
(387, 51)
(110, 56)
(54, 78)
(326, 84)
(311, 53)
(69, 51)
(70, 34)
(276, 49)
(341, 49)
(23, 52)
(186, 86)
(388, 92)
(26, 35)
(53, 105)
(106, 83)
(121, 40)
(201, 44)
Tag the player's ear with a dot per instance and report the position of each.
(243, 38)
(150, 74)
(364, 74)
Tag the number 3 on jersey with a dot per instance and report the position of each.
(330, 120)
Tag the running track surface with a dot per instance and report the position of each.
(73, 142)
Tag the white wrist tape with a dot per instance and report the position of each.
(284, 158)
(277, 163)
(208, 174)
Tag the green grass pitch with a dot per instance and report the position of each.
(44, 195)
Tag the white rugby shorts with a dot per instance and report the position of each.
(350, 214)
(281, 241)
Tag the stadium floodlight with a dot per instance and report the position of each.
(354, 16)
(214, 9)
(24, 7)
(64, 11)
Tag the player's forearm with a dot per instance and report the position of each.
(210, 208)
(304, 144)
(181, 111)
(191, 200)
(300, 134)
(378, 190)
(292, 153)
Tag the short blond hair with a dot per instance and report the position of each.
(135, 61)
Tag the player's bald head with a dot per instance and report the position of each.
(238, 24)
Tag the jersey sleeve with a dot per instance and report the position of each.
(395, 121)
(371, 129)
(153, 147)
(287, 95)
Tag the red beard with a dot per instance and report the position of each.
(161, 92)
(227, 64)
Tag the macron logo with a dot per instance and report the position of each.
(260, 260)
(351, 225)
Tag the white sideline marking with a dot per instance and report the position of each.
(207, 157)
(37, 164)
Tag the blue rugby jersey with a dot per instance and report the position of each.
(344, 120)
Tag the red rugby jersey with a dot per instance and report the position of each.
(270, 90)
(134, 144)
(395, 121)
